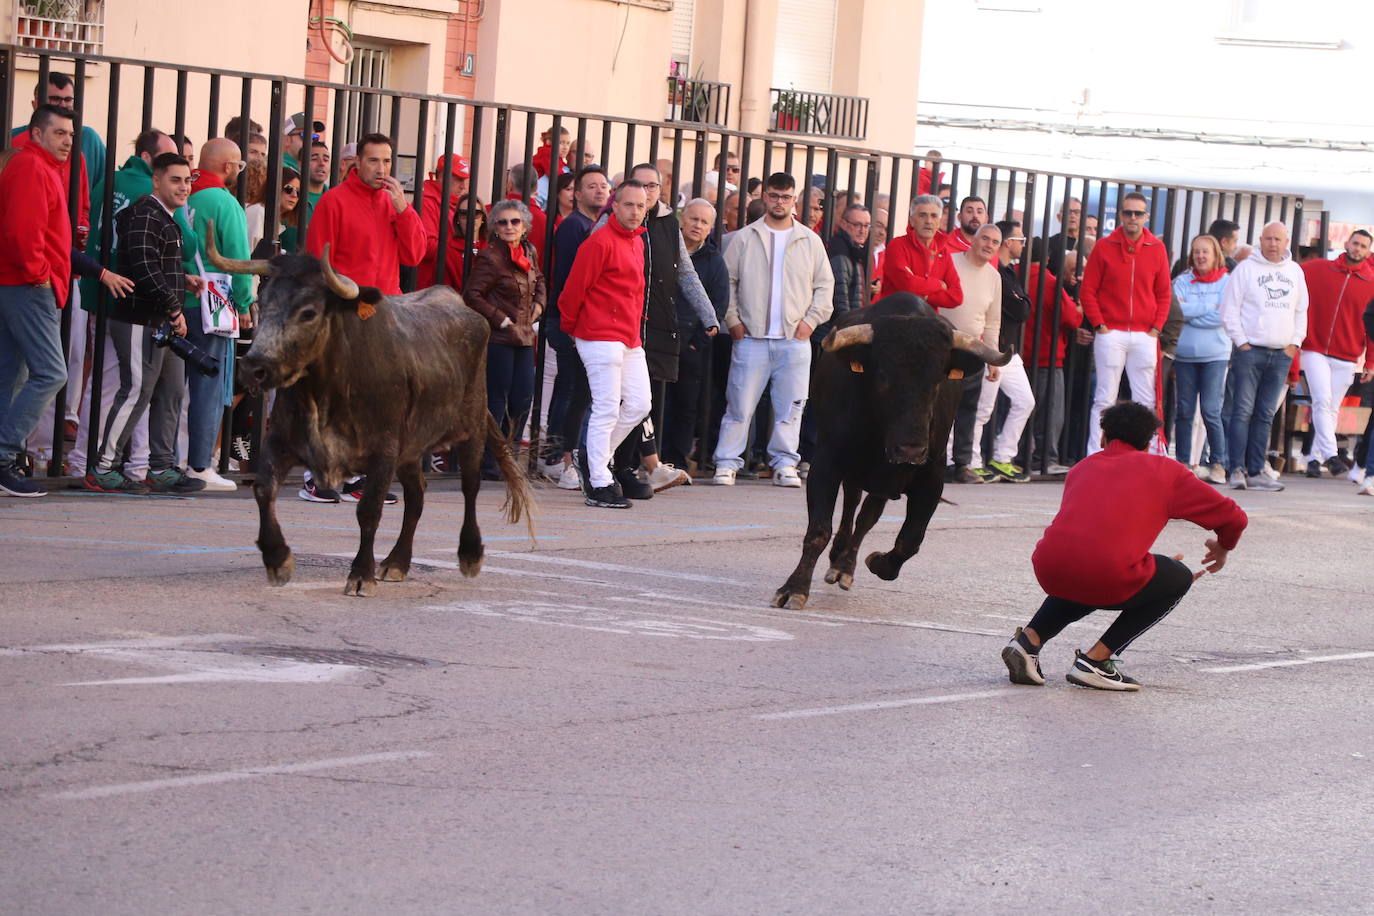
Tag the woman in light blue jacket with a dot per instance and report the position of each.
(1204, 351)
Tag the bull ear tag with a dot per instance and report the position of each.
(955, 373)
(856, 366)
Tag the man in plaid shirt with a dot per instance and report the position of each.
(151, 254)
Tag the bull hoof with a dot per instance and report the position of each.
(792, 601)
(280, 575)
(362, 588)
(470, 566)
(836, 576)
(878, 564)
(393, 573)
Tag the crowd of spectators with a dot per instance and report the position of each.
(669, 307)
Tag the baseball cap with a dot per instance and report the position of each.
(350, 151)
(297, 122)
(461, 166)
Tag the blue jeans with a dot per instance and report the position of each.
(1191, 381)
(754, 362)
(1257, 375)
(30, 339)
(206, 394)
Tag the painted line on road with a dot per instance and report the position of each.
(1290, 662)
(617, 568)
(206, 779)
(886, 704)
(161, 548)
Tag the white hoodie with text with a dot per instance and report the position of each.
(1265, 304)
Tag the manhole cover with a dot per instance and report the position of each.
(320, 561)
(354, 657)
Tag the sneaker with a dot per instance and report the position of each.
(113, 481)
(1367, 489)
(1356, 475)
(15, 484)
(1199, 471)
(1314, 468)
(1058, 470)
(172, 480)
(1217, 474)
(606, 497)
(786, 476)
(631, 487)
(315, 494)
(1238, 479)
(1336, 466)
(725, 477)
(213, 482)
(1261, 482)
(570, 479)
(1023, 661)
(353, 492)
(552, 471)
(965, 475)
(238, 448)
(1273, 473)
(665, 477)
(1103, 675)
(1008, 471)
(803, 469)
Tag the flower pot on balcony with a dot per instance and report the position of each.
(788, 122)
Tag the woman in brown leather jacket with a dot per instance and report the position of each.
(507, 288)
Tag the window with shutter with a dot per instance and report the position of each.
(805, 50)
(683, 13)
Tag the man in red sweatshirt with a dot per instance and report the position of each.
(434, 212)
(602, 307)
(370, 228)
(918, 262)
(1125, 295)
(1096, 552)
(1338, 292)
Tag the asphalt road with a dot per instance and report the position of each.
(617, 722)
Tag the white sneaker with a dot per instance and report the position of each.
(553, 471)
(1367, 489)
(725, 477)
(1356, 475)
(1268, 471)
(213, 482)
(665, 477)
(1238, 480)
(570, 479)
(1200, 472)
(786, 476)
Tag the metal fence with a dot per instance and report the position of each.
(121, 97)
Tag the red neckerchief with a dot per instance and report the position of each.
(518, 256)
(203, 180)
(1211, 276)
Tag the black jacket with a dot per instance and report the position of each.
(847, 264)
(150, 255)
(663, 246)
(715, 278)
(1016, 308)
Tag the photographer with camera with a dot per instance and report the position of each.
(141, 327)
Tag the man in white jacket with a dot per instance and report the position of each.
(1264, 312)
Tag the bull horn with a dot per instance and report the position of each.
(848, 337)
(258, 268)
(340, 285)
(981, 350)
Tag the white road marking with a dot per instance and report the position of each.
(602, 620)
(206, 779)
(1289, 662)
(887, 704)
(150, 642)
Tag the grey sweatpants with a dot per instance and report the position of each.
(151, 380)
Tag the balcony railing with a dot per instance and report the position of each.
(819, 114)
(61, 25)
(698, 101)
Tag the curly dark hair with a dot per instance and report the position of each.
(1130, 422)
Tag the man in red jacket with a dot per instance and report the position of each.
(1338, 292)
(369, 226)
(1096, 552)
(433, 212)
(1125, 294)
(918, 262)
(1047, 294)
(602, 307)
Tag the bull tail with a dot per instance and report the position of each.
(519, 495)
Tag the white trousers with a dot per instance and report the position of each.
(1134, 352)
(1327, 381)
(618, 377)
(40, 441)
(1012, 381)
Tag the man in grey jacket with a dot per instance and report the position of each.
(781, 289)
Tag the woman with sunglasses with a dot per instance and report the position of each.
(507, 288)
(287, 213)
(458, 239)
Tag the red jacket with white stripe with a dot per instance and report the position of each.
(1338, 292)
(1126, 284)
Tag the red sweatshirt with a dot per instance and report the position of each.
(1042, 318)
(603, 297)
(74, 161)
(1126, 284)
(1115, 504)
(35, 229)
(368, 240)
(430, 218)
(1337, 295)
(911, 267)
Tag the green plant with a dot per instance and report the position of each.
(793, 104)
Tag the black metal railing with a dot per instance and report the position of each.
(818, 114)
(698, 101)
(495, 136)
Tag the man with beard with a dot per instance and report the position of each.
(973, 214)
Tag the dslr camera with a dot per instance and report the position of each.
(193, 355)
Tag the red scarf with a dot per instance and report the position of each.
(202, 180)
(518, 256)
(1211, 276)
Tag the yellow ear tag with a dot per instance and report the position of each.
(956, 373)
(856, 366)
(365, 310)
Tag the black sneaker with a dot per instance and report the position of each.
(1023, 661)
(1336, 466)
(15, 484)
(238, 449)
(173, 480)
(353, 492)
(1314, 468)
(1103, 675)
(583, 471)
(631, 487)
(606, 498)
(313, 494)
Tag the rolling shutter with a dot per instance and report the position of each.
(684, 11)
(805, 49)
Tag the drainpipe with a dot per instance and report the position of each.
(760, 31)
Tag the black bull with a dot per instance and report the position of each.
(374, 397)
(884, 390)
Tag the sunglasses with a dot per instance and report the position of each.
(1134, 214)
(291, 189)
(511, 221)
